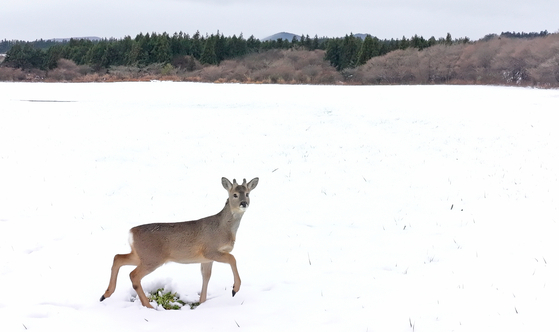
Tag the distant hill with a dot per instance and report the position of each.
(283, 35)
(289, 36)
(63, 40)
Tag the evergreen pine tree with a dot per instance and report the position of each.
(432, 41)
(237, 46)
(333, 52)
(132, 58)
(221, 50)
(54, 53)
(315, 44)
(197, 45)
(308, 42)
(294, 41)
(162, 49)
(96, 55)
(404, 43)
(448, 39)
(253, 44)
(208, 54)
(302, 40)
(369, 49)
(350, 50)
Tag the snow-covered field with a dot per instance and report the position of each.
(397, 208)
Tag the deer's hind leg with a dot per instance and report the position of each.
(119, 261)
(136, 277)
(206, 274)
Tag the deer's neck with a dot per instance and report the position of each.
(230, 219)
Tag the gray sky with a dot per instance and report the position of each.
(35, 19)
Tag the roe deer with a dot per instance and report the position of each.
(199, 241)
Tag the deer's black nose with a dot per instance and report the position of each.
(244, 204)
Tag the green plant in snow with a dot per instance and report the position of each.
(169, 301)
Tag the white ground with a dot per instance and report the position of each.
(399, 208)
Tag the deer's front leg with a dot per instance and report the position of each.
(224, 257)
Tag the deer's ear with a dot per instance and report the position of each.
(252, 184)
(226, 184)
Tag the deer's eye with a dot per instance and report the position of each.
(246, 194)
(235, 195)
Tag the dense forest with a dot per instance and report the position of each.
(180, 49)
(215, 57)
(5, 44)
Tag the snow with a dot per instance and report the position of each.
(379, 208)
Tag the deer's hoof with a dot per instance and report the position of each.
(233, 291)
(102, 298)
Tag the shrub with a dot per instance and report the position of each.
(274, 66)
(12, 74)
(210, 73)
(67, 70)
(125, 72)
(188, 63)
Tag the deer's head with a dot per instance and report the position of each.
(239, 199)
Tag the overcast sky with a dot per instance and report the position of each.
(35, 19)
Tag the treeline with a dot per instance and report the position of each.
(517, 35)
(142, 50)
(6, 45)
(524, 34)
(507, 61)
(182, 50)
(352, 51)
(498, 61)
(530, 61)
